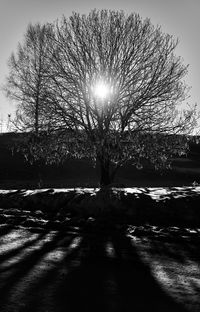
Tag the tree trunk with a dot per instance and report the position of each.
(106, 177)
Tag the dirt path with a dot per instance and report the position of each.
(94, 269)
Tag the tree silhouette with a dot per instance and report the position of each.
(115, 86)
(29, 79)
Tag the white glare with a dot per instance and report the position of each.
(101, 90)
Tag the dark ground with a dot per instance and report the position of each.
(96, 266)
(89, 265)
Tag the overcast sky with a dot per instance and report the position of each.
(180, 18)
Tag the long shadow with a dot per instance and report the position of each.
(48, 285)
(104, 272)
(16, 250)
(27, 263)
(116, 282)
(5, 229)
(177, 247)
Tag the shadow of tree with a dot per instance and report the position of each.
(112, 277)
(97, 271)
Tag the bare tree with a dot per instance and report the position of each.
(29, 79)
(116, 86)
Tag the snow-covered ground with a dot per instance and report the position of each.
(154, 192)
(166, 203)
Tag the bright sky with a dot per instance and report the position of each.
(180, 18)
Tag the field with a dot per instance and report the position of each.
(65, 245)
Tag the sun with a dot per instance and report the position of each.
(101, 90)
